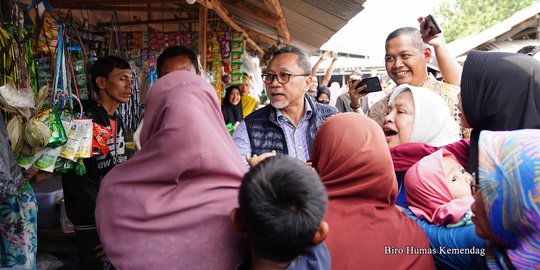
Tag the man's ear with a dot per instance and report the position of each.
(427, 54)
(100, 81)
(308, 81)
(235, 221)
(321, 234)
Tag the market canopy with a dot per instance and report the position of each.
(306, 24)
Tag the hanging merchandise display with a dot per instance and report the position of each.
(216, 63)
(45, 49)
(130, 111)
(237, 53)
(42, 82)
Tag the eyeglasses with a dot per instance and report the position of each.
(281, 77)
(474, 184)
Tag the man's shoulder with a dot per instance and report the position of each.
(324, 109)
(440, 86)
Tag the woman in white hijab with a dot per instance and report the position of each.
(416, 114)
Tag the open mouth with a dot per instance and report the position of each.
(390, 134)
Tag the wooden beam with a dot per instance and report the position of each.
(203, 29)
(283, 31)
(122, 8)
(254, 11)
(116, 2)
(260, 37)
(224, 15)
(157, 21)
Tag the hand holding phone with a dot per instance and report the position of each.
(431, 24)
(373, 85)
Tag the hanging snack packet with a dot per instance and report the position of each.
(47, 161)
(64, 165)
(27, 162)
(72, 146)
(100, 139)
(58, 134)
(85, 146)
(79, 167)
(76, 136)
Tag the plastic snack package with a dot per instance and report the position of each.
(58, 134)
(47, 161)
(85, 147)
(100, 139)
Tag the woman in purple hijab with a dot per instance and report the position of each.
(168, 206)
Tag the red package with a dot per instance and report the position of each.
(100, 139)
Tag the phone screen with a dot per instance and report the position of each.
(373, 85)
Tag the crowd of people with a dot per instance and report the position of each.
(437, 174)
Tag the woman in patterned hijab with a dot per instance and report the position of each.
(507, 198)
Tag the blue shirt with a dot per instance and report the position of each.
(463, 238)
(315, 257)
(296, 137)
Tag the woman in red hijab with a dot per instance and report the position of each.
(368, 230)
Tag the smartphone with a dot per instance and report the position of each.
(373, 85)
(432, 24)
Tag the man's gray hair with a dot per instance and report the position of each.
(303, 58)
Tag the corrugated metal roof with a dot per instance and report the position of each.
(511, 46)
(310, 23)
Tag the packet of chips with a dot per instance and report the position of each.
(100, 139)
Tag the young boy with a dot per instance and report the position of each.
(282, 202)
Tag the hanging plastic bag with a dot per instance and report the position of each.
(58, 134)
(37, 133)
(20, 99)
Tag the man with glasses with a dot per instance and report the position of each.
(289, 123)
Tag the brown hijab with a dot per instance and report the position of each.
(352, 158)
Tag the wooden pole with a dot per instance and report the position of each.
(203, 29)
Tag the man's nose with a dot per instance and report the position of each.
(398, 62)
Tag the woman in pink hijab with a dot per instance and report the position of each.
(168, 206)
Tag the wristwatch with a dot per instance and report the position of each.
(354, 108)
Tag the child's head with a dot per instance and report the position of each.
(282, 202)
(458, 180)
(438, 188)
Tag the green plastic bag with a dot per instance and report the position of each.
(58, 134)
